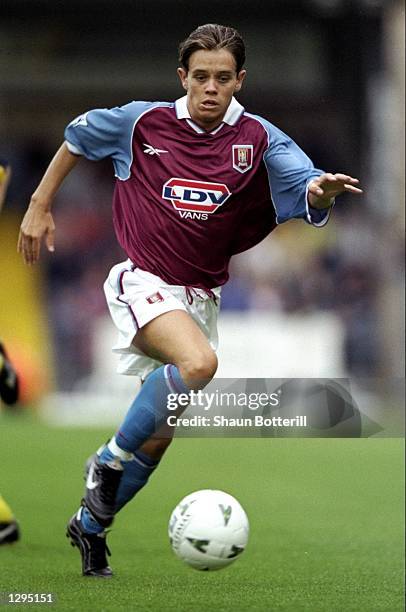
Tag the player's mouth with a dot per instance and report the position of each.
(209, 104)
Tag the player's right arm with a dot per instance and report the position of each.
(96, 134)
(38, 223)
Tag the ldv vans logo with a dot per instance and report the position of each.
(195, 197)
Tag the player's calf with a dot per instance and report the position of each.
(156, 447)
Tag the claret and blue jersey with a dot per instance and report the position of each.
(186, 200)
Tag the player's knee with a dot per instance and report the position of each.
(200, 369)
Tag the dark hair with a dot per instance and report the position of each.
(212, 36)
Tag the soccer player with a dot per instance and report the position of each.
(9, 530)
(197, 180)
(8, 379)
(8, 376)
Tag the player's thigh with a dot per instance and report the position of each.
(173, 337)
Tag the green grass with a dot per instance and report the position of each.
(326, 524)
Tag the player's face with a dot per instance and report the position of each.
(210, 82)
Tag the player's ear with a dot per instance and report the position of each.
(240, 79)
(182, 74)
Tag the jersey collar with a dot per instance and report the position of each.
(233, 113)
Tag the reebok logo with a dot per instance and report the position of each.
(150, 150)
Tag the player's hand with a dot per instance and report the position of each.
(324, 188)
(36, 226)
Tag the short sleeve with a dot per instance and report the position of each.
(104, 132)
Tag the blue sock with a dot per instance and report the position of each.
(89, 523)
(135, 476)
(149, 409)
(145, 416)
(106, 455)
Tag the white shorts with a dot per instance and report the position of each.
(135, 297)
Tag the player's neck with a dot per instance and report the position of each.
(205, 123)
(207, 127)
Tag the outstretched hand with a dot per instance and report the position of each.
(323, 189)
(36, 226)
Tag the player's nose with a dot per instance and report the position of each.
(211, 86)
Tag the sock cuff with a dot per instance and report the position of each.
(174, 380)
(117, 451)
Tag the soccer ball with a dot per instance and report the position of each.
(208, 529)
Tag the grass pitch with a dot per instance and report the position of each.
(326, 524)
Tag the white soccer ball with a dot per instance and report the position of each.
(208, 529)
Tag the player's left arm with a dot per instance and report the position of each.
(299, 190)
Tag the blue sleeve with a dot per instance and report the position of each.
(290, 171)
(106, 132)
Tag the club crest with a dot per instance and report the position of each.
(242, 157)
(154, 298)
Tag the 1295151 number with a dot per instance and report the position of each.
(27, 598)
